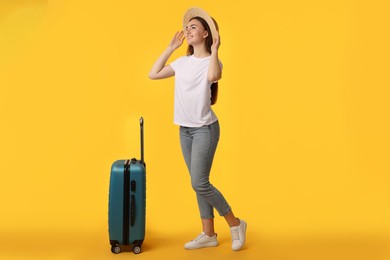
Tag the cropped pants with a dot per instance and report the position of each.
(198, 146)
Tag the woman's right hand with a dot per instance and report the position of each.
(177, 40)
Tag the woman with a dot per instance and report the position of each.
(199, 127)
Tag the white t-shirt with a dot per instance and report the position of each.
(192, 106)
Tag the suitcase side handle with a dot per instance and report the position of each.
(132, 211)
(141, 123)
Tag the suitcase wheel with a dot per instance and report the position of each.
(116, 249)
(136, 249)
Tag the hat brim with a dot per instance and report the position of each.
(198, 12)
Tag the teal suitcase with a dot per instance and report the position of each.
(127, 203)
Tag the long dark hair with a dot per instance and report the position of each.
(209, 42)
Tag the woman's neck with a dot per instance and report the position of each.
(200, 51)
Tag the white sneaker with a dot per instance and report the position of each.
(201, 241)
(238, 235)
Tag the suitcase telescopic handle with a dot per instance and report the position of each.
(141, 123)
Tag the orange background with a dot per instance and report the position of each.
(303, 107)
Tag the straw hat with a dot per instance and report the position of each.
(198, 12)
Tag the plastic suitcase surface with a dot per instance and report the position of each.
(127, 203)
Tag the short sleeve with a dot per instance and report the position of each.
(176, 63)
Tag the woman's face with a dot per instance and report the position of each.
(195, 32)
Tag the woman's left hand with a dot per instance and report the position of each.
(216, 43)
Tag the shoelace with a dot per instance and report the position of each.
(199, 237)
(235, 234)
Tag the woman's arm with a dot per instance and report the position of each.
(160, 70)
(215, 70)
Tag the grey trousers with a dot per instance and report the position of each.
(198, 146)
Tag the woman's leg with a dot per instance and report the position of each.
(203, 149)
(232, 220)
(208, 226)
(204, 145)
(208, 237)
(199, 146)
(186, 142)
